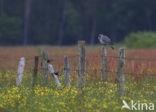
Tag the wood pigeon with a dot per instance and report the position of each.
(105, 40)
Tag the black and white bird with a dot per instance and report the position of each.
(48, 61)
(105, 40)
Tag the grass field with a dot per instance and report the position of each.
(95, 97)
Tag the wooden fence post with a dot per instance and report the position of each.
(20, 71)
(120, 72)
(51, 69)
(104, 63)
(81, 65)
(66, 71)
(35, 70)
(44, 64)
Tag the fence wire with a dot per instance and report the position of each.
(97, 71)
(59, 62)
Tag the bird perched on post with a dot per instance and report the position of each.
(105, 40)
(56, 73)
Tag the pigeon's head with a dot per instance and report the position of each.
(100, 36)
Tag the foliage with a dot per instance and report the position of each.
(96, 96)
(83, 20)
(141, 40)
(10, 30)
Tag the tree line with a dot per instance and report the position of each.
(63, 22)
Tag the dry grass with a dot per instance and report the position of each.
(96, 96)
(9, 57)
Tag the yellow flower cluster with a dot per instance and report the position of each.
(94, 97)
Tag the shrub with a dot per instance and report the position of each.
(10, 30)
(141, 40)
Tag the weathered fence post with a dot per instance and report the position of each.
(51, 69)
(44, 64)
(35, 70)
(66, 71)
(81, 65)
(104, 63)
(20, 71)
(120, 72)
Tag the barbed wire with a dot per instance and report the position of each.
(88, 70)
(134, 74)
(17, 58)
(110, 71)
(116, 57)
(90, 56)
(131, 58)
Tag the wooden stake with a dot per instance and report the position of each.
(104, 63)
(120, 72)
(35, 70)
(81, 64)
(44, 64)
(66, 71)
(20, 71)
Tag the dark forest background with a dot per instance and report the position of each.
(63, 22)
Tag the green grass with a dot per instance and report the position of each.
(95, 97)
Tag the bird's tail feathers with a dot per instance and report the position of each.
(112, 47)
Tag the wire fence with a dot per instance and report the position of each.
(94, 65)
(138, 67)
(112, 69)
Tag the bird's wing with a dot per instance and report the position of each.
(106, 39)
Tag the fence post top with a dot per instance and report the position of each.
(65, 56)
(122, 52)
(43, 51)
(81, 42)
(22, 58)
(121, 49)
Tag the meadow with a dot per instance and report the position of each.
(96, 96)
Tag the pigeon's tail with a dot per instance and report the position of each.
(112, 45)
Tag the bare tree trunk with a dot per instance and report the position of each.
(148, 18)
(26, 22)
(48, 19)
(62, 24)
(93, 32)
(90, 6)
(1, 7)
